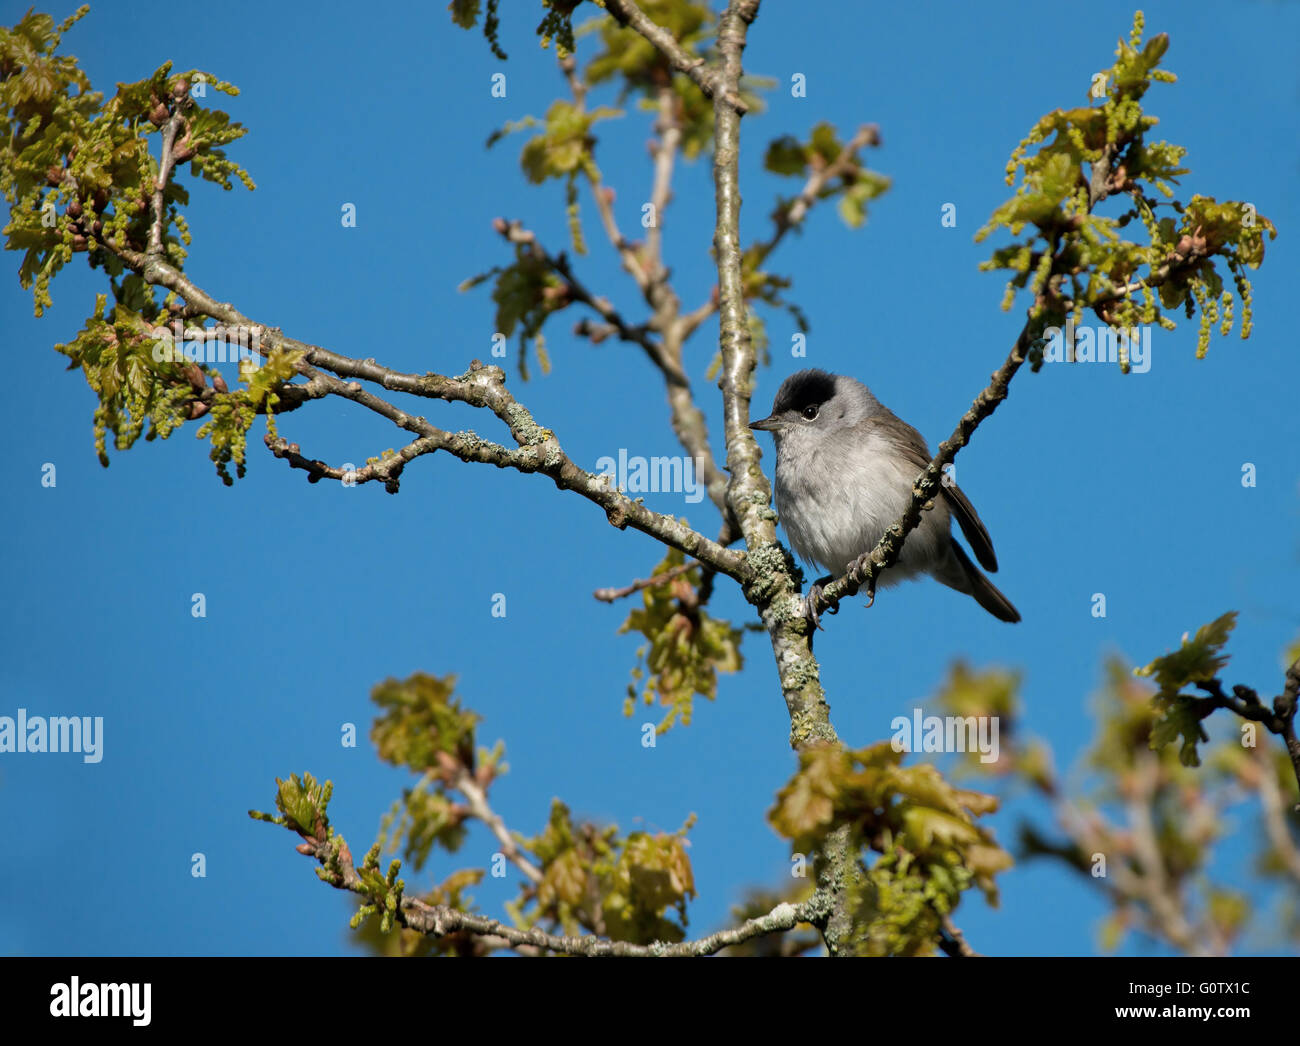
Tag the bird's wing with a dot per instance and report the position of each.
(972, 526)
(914, 447)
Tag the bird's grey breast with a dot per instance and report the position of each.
(837, 494)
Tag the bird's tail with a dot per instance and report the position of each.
(973, 583)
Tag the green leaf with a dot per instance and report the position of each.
(420, 719)
(1198, 660)
(1180, 719)
(686, 647)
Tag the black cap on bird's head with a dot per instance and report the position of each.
(801, 396)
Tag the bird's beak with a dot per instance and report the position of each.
(768, 424)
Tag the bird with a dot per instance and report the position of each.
(845, 467)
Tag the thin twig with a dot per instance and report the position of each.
(469, 787)
(627, 253)
(514, 232)
(793, 213)
(1245, 702)
(669, 130)
(611, 595)
(436, 920)
(165, 167)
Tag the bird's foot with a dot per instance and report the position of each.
(855, 570)
(814, 597)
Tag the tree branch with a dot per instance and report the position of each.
(611, 595)
(665, 149)
(1162, 897)
(749, 494)
(648, 271)
(468, 786)
(1245, 702)
(792, 214)
(166, 164)
(538, 449)
(436, 920)
(515, 233)
(687, 419)
(627, 253)
(1137, 879)
(626, 13)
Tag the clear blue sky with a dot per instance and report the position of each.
(1088, 480)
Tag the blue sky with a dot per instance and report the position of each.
(1088, 480)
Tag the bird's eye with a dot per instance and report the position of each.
(810, 412)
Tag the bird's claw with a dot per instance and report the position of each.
(855, 575)
(813, 598)
(810, 606)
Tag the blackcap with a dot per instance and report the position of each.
(845, 465)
